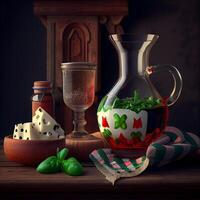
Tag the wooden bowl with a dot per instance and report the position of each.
(30, 152)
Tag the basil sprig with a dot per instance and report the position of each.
(55, 164)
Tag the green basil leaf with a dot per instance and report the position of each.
(75, 169)
(65, 163)
(72, 167)
(49, 165)
(61, 155)
(72, 159)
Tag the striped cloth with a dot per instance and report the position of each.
(173, 145)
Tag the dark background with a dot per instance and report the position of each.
(23, 55)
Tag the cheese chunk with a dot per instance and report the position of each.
(30, 133)
(25, 131)
(46, 125)
(18, 131)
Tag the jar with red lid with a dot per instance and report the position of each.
(42, 97)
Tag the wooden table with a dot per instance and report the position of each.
(177, 180)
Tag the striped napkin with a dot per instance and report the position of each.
(173, 145)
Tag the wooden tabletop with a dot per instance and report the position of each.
(179, 179)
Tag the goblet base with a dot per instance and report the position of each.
(79, 134)
(81, 147)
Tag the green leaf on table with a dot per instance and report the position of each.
(61, 155)
(72, 167)
(49, 165)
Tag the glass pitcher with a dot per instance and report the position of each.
(133, 113)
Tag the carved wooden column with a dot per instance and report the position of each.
(73, 35)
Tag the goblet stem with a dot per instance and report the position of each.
(79, 124)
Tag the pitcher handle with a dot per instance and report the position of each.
(178, 82)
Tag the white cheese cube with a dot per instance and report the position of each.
(18, 131)
(25, 131)
(46, 125)
(30, 133)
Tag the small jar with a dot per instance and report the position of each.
(42, 97)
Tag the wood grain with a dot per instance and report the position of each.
(81, 7)
(180, 179)
(26, 178)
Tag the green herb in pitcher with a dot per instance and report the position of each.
(132, 122)
(136, 103)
